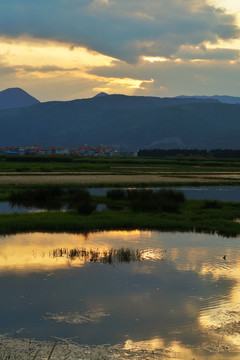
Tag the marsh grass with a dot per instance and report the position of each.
(44, 198)
(149, 200)
(116, 194)
(74, 196)
(143, 209)
(116, 207)
(53, 198)
(192, 217)
(80, 200)
(106, 257)
(86, 207)
(163, 200)
(212, 204)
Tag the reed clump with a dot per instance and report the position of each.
(54, 198)
(75, 196)
(163, 200)
(111, 256)
(150, 200)
(44, 198)
(80, 200)
(116, 194)
(86, 207)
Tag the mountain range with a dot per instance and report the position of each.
(128, 122)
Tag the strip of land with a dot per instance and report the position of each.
(99, 179)
(193, 215)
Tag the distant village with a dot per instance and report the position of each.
(84, 150)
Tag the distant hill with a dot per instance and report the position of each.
(129, 122)
(14, 98)
(222, 98)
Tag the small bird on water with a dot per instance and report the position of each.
(224, 257)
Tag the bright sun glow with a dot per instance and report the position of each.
(42, 59)
(152, 59)
(231, 5)
(37, 53)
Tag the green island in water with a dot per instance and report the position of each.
(165, 209)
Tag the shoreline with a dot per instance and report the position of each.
(61, 349)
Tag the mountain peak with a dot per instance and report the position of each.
(13, 98)
(101, 94)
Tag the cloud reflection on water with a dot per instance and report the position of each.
(183, 296)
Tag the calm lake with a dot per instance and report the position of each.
(173, 291)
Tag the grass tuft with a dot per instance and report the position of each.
(211, 204)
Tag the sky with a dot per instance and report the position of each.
(69, 49)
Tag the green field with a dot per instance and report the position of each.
(56, 163)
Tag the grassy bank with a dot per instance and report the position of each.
(55, 163)
(193, 215)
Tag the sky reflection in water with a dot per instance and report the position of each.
(181, 296)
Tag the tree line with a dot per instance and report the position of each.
(215, 153)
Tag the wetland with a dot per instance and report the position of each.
(119, 275)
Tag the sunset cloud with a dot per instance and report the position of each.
(118, 45)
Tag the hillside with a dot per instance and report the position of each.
(124, 121)
(221, 98)
(16, 98)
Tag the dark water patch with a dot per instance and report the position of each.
(7, 208)
(221, 193)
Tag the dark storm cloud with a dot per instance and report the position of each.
(124, 29)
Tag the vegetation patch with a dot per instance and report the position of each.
(53, 198)
(163, 200)
(123, 209)
(212, 204)
(192, 217)
(45, 198)
(106, 257)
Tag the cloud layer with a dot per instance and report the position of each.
(124, 29)
(65, 49)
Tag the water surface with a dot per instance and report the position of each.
(222, 193)
(179, 295)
